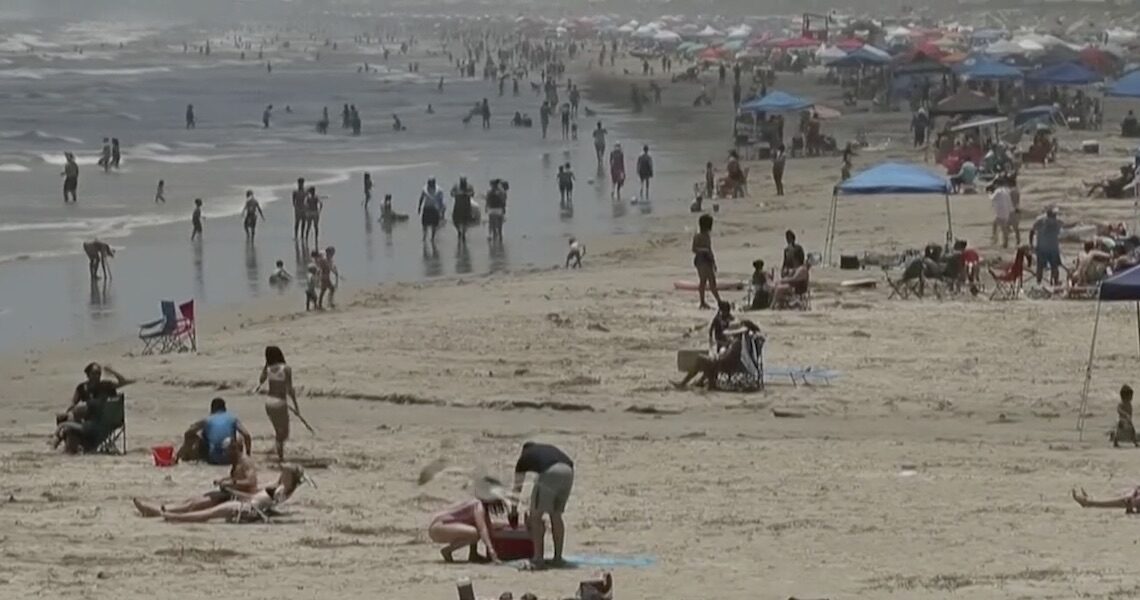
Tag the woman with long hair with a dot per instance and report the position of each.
(280, 378)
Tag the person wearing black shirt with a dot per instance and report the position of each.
(793, 255)
(549, 493)
(87, 406)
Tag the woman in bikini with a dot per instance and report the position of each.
(469, 522)
(280, 378)
(704, 259)
(242, 508)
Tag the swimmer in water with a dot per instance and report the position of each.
(250, 214)
(280, 276)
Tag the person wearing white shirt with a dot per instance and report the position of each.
(1002, 202)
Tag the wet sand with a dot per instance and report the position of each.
(937, 466)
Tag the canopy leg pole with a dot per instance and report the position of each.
(1138, 325)
(1088, 377)
(831, 227)
(949, 225)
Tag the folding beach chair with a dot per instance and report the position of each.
(110, 436)
(1007, 283)
(156, 335)
(185, 335)
(749, 374)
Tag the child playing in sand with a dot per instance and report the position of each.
(1125, 431)
(574, 257)
(311, 289)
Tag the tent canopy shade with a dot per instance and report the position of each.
(1127, 86)
(981, 122)
(895, 178)
(776, 102)
(982, 69)
(1123, 286)
(1064, 74)
(966, 102)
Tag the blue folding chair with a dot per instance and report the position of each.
(156, 336)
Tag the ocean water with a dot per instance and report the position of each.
(58, 100)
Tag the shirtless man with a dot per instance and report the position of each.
(313, 207)
(242, 479)
(250, 213)
(330, 277)
(70, 178)
(97, 255)
(298, 207)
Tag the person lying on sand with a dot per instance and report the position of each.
(709, 367)
(241, 483)
(469, 522)
(242, 508)
(1129, 503)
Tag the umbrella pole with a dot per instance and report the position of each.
(949, 224)
(1088, 377)
(831, 228)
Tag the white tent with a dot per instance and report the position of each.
(827, 54)
(1121, 35)
(667, 37)
(709, 31)
(1003, 48)
(898, 32)
(739, 32)
(645, 31)
(625, 29)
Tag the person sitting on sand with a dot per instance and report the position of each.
(469, 522)
(726, 361)
(1113, 187)
(243, 508)
(760, 289)
(1091, 266)
(1125, 431)
(205, 440)
(242, 481)
(795, 284)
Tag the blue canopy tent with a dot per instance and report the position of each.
(1121, 287)
(776, 102)
(1044, 113)
(1064, 74)
(857, 58)
(1127, 86)
(982, 69)
(890, 178)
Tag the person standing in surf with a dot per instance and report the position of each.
(617, 170)
(250, 213)
(431, 209)
(105, 155)
(313, 208)
(70, 178)
(191, 122)
(266, 116)
(461, 195)
(196, 221)
(298, 207)
(496, 209)
(600, 142)
(367, 190)
(644, 171)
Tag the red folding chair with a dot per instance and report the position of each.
(1007, 283)
(186, 333)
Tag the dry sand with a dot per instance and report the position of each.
(938, 466)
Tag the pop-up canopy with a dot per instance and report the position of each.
(776, 102)
(1121, 287)
(1127, 86)
(890, 179)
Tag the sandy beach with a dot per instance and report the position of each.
(938, 465)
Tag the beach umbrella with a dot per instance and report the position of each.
(709, 31)
(712, 54)
(739, 32)
(667, 37)
(797, 43)
(625, 29)
(1097, 59)
(849, 44)
(733, 45)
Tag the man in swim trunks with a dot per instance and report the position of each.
(70, 178)
(205, 440)
(298, 207)
(313, 207)
(251, 211)
(549, 493)
(330, 277)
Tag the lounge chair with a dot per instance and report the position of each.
(110, 436)
(749, 374)
(157, 335)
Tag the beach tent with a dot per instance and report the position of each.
(709, 31)
(859, 58)
(919, 63)
(667, 37)
(890, 179)
(776, 102)
(830, 53)
(739, 32)
(1063, 74)
(1121, 287)
(1044, 113)
(981, 69)
(965, 102)
(1127, 86)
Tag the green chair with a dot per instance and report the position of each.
(110, 435)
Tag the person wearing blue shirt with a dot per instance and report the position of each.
(205, 440)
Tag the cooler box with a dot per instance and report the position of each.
(512, 543)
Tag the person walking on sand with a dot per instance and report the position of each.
(367, 190)
(279, 376)
(250, 213)
(70, 178)
(779, 159)
(266, 116)
(431, 209)
(644, 171)
(191, 122)
(553, 482)
(485, 112)
(617, 171)
(299, 207)
(160, 193)
(544, 118)
(704, 259)
(105, 155)
(196, 221)
(461, 195)
(600, 142)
